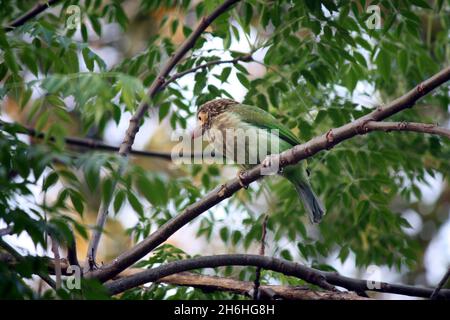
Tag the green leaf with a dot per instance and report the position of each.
(96, 25)
(403, 60)
(343, 253)
(49, 181)
(77, 201)
(119, 200)
(286, 254)
(84, 33)
(92, 174)
(107, 190)
(88, 58)
(225, 74)
(135, 203)
(421, 3)
(10, 61)
(243, 80)
(224, 234)
(236, 236)
(383, 62)
(174, 26)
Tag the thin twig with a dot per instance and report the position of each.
(72, 250)
(294, 155)
(262, 250)
(442, 283)
(87, 143)
(325, 280)
(19, 258)
(407, 126)
(33, 12)
(6, 231)
(57, 259)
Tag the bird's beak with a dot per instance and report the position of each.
(197, 132)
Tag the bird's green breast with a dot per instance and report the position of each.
(241, 142)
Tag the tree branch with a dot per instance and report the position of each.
(324, 142)
(244, 58)
(137, 117)
(262, 249)
(213, 283)
(442, 283)
(57, 259)
(310, 275)
(209, 282)
(33, 12)
(407, 126)
(87, 143)
(18, 257)
(158, 83)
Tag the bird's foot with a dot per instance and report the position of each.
(242, 174)
(92, 263)
(271, 164)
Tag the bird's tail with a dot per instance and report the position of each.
(310, 201)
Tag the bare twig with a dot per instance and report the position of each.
(442, 283)
(262, 250)
(325, 280)
(6, 231)
(407, 126)
(137, 117)
(87, 143)
(33, 12)
(72, 251)
(57, 259)
(324, 142)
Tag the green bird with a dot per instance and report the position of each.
(224, 122)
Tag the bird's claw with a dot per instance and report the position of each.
(241, 177)
(93, 264)
(271, 164)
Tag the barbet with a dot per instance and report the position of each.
(224, 122)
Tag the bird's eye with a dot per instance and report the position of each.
(199, 118)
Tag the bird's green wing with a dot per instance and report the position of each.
(262, 119)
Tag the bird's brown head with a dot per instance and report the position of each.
(208, 111)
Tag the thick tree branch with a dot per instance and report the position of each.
(288, 268)
(291, 156)
(407, 126)
(310, 275)
(6, 231)
(244, 58)
(137, 117)
(213, 283)
(33, 12)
